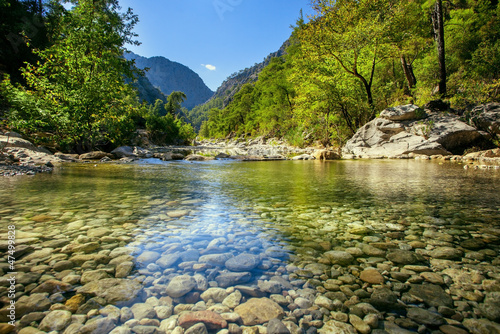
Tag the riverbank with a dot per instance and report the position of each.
(21, 157)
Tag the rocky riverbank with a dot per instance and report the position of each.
(404, 132)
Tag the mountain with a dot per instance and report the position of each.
(230, 87)
(169, 76)
(148, 92)
(235, 81)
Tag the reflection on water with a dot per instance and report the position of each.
(288, 231)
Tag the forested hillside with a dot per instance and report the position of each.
(355, 58)
(232, 85)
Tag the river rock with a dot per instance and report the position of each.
(52, 286)
(97, 326)
(242, 262)
(431, 294)
(124, 152)
(491, 306)
(336, 327)
(275, 326)
(143, 310)
(372, 276)
(211, 320)
(113, 290)
(147, 257)
(216, 294)
(404, 257)
(482, 326)
(168, 260)
(55, 321)
(215, 259)
(486, 117)
(425, 317)
(384, 299)
(180, 285)
(229, 279)
(448, 253)
(257, 311)
(94, 155)
(339, 257)
(93, 275)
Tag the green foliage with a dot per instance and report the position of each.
(354, 59)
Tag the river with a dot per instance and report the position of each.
(365, 245)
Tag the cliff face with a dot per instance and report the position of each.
(233, 84)
(169, 76)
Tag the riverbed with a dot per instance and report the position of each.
(367, 246)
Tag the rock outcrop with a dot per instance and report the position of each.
(405, 130)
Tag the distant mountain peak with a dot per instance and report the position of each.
(169, 76)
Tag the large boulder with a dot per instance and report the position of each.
(408, 129)
(486, 117)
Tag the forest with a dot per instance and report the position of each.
(66, 85)
(355, 58)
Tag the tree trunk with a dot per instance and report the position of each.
(408, 70)
(438, 23)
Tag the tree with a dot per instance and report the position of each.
(438, 25)
(174, 101)
(81, 77)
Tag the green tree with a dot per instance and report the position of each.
(81, 77)
(174, 101)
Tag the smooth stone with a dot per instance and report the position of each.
(449, 329)
(242, 262)
(325, 302)
(147, 257)
(143, 310)
(196, 329)
(211, 320)
(358, 323)
(257, 311)
(272, 287)
(431, 294)
(392, 328)
(275, 326)
(121, 330)
(336, 327)
(27, 330)
(482, 326)
(371, 276)
(180, 285)
(97, 326)
(425, 317)
(113, 290)
(447, 253)
(177, 213)
(215, 259)
(35, 302)
(124, 269)
(384, 299)
(168, 260)
(216, 294)
(164, 312)
(339, 257)
(93, 275)
(404, 257)
(225, 280)
(55, 321)
(142, 329)
(98, 232)
(232, 300)
(39, 255)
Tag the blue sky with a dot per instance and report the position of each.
(214, 38)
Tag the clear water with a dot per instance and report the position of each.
(287, 213)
